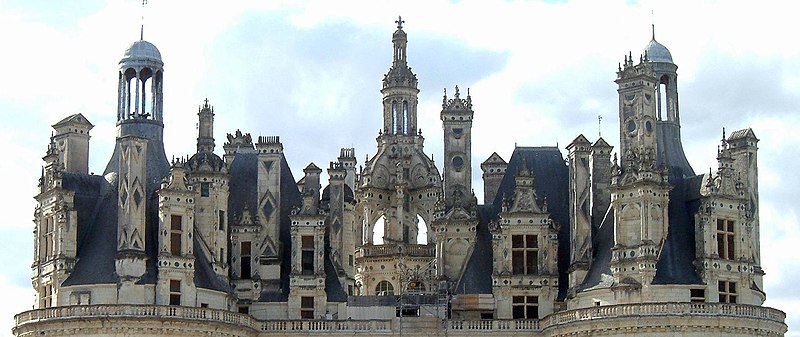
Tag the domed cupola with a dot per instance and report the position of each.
(140, 95)
(139, 109)
(142, 51)
(657, 52)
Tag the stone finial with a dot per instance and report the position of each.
(399, 22)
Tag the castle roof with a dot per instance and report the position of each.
(547, 165)
(657, 52)
(142, 50)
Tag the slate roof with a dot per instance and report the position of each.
(334, 290)
(76, 118)
(599, 275)
(676, 262)
(96, 204)
(244, 193)
(670, 150)
(477, 277)
(551, 180)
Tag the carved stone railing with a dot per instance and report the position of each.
(494, 325)
(200, 314)
(663, 309)
(368, 327)
(413, 250)
(136, 311)
(327, 326)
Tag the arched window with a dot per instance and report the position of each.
(405, 117)
(663, 112)
(422, 230)
(144, 108)
(377, 230)
(130, 91)
(384, 288)
(394, 118)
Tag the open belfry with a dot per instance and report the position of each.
(582, 241)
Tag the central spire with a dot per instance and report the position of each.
(400, 89)
(400, 73)
(399, 39)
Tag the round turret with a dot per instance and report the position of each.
(140, 84)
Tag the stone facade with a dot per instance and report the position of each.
(203, 245)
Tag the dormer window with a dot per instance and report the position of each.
(525, 254)
(725, 239)
(205, 189)
(175, 232)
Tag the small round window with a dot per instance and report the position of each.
(648, 126)
(458, 163)
(631, 126)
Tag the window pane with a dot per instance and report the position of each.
(517, 262)
(175, 222)
(517, 241)
(532, 266)
(308, 262)
(730, 226)
(532, 311)
(175, 243)
(204, 189)
(518, 299)
(518, 311)
(307, 242)
(175, 286)
(720, 225)
(245, 248)
(731, 287)
(531, 241)
(246, 266)
(306, 302)
(731, 255)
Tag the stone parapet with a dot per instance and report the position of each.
(662, 319)
(411, 250)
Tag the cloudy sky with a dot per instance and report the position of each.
(540, 73)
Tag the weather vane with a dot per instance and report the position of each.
(141, 32)
(599, 125)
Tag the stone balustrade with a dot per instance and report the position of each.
(664, 309)
(413, 250)
(30, 319)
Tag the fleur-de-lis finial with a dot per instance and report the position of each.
(399, 22)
